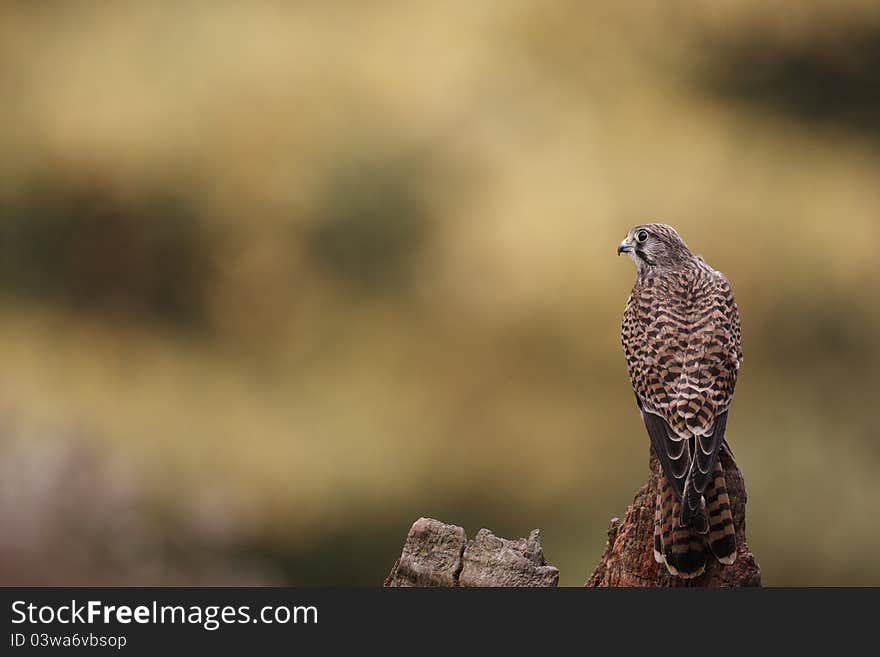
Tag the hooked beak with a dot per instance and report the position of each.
(623, 247)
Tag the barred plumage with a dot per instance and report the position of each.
(681, 338)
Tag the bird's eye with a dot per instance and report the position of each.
(642, 236)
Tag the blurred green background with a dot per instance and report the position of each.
(278, 278)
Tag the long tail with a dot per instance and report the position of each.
(722, 539)
(683, 549)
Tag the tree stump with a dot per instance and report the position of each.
(628, 559)
(437, 554)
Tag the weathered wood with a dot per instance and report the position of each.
(492, 561)
(431, 555)
(629, 558)
(437, 554)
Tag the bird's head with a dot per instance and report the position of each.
(654, 245)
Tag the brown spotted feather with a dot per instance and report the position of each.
(681, 339)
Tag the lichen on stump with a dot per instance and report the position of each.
(628, 559)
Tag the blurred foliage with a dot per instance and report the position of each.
(829, 77)
(368, 224)
(294, 275)
(83, 519)
(89, 248)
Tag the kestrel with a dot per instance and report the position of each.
(681, 338)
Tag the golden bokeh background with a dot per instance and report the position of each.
(278, 278)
